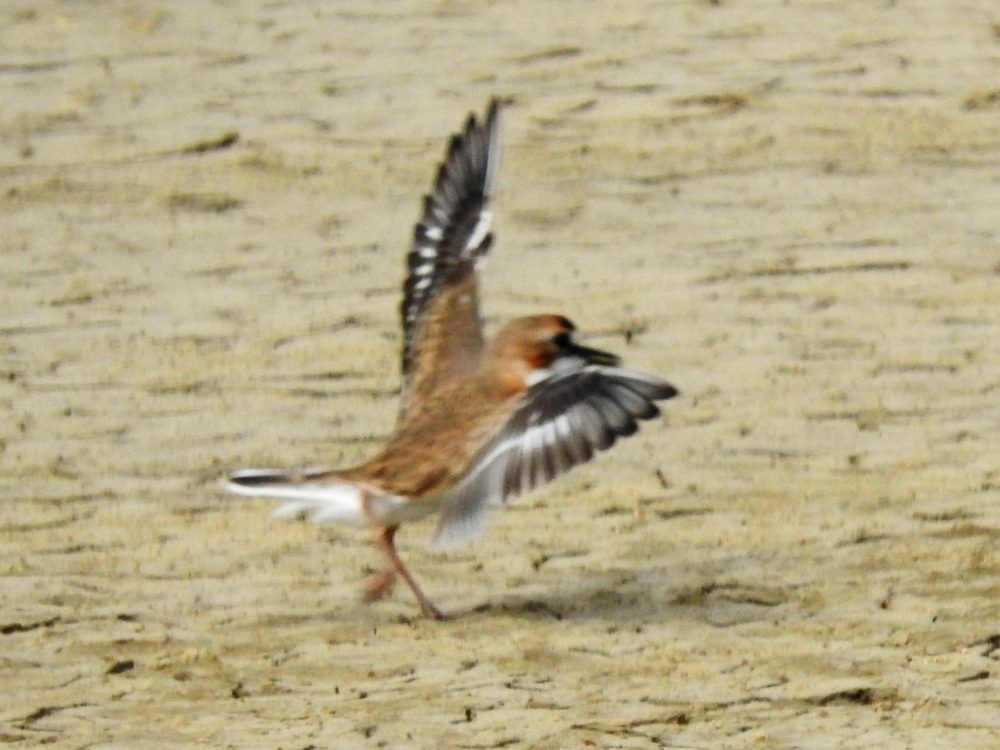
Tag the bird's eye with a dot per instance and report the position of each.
(561, 340)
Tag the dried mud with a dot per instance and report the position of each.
(787, 209)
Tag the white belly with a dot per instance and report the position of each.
(393, 510)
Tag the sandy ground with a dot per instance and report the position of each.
(790, 210)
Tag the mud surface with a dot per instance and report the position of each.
(790, 210)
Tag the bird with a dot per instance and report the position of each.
(480, 421)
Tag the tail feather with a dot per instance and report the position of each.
(246, 480)
(322, 497)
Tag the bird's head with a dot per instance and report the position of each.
(532, 348)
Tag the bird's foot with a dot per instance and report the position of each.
(433, 612)
(378, 586)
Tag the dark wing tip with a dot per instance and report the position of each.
(648, 386)
(495, 107)
(667, 391)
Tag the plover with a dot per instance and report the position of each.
(480, 422)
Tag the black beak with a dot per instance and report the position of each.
(592, 356)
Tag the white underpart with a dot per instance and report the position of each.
(336, 502)
(536, 376)
(557, 367)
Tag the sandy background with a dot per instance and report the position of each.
(790, 210)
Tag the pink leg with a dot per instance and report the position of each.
(379, 585)
(382, 583)
(385, 541)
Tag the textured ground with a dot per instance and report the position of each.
(789, 209)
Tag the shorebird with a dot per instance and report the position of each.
(480, 422)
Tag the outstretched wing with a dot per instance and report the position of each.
(442, 333)
(561, 423)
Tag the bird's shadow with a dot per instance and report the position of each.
(652, 594)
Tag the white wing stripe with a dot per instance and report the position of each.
(481, 229)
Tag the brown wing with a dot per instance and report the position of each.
(442, 333)
(561, 422)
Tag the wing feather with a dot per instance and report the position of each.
(562, 422)
(442, 333)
